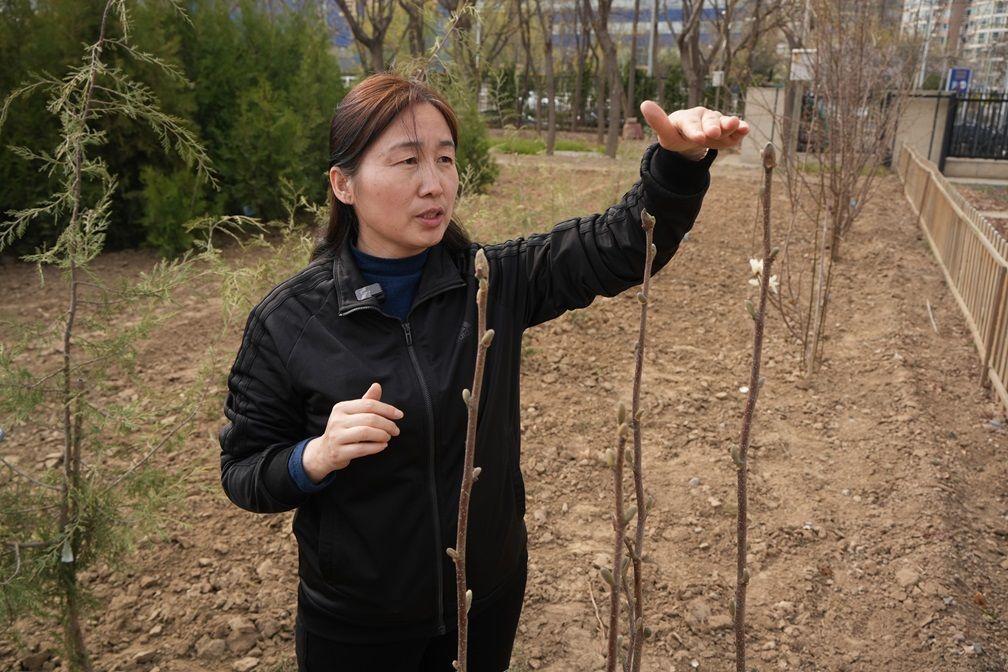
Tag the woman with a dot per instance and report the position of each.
(345, 397)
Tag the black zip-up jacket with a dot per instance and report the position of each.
(372, 561)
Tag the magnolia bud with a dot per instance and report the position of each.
(629, 514)
(476, 472)
(654, 249)
(607, 575)
(621, 414)
(468, 600)
(482, 267)
(647, 220)
(641, 298)
(752, 309)
(610, 457)
(628, 455)
(452, 553)
(769, 156)
(487, 338)
(466, 395)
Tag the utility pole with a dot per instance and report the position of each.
(924, 56)
(652, 39)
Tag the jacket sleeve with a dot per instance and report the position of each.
(297, 471)
(266, 424)
(603, 254)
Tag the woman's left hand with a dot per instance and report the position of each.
(691, 132)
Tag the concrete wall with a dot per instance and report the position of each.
(764, 109)
(922, 125)
(986, 169)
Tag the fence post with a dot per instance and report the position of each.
(992, 326)
(928, 179)
(947, 138)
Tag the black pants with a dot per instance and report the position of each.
(491, 638)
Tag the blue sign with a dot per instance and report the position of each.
(958, 80)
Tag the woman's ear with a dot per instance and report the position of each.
(341, 187)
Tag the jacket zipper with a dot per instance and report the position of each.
(438, 546)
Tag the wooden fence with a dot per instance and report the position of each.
(972, 255)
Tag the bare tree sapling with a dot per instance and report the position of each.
(740, 454)
(469, 472)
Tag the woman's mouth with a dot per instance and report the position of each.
(432, 217)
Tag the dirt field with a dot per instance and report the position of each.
(879, 494)
(985, 196)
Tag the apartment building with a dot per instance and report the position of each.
(965, 33)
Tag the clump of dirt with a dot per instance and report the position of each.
(878, 496)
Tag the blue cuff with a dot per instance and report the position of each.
(295, 465)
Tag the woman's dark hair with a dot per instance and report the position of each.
(362, 115)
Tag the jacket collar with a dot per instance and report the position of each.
(440, 274)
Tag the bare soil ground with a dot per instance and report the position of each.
(985, 196)
(879, 493)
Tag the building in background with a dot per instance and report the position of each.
(985, 43)
(962, 33)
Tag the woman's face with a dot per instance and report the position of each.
(404, 189)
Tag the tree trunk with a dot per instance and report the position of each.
(693, 71)
(632, 74)
(415, 26)
(576, 104)
(600, 85)
(525, 33)
(551, 92)
(538, 109)
(615, 96)
(581, 57)
(377, 56)
(660, 89)
(73, 634)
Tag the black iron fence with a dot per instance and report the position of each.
(979, 127)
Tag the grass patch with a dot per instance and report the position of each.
(563, 145)
(811, 166)
(515, 145)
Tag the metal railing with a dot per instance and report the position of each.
(979, 127)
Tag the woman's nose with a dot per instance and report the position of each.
(430, 181)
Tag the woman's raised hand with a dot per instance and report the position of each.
(356, 428)
(690, 132)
